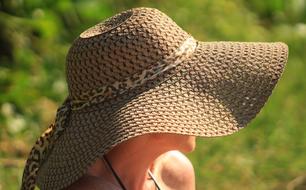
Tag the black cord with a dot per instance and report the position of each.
(154, 180)
(119, 180)
(115, 174)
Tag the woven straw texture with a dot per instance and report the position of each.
(213, 91)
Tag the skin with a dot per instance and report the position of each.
(159, 153)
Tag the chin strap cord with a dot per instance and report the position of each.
(119, 180)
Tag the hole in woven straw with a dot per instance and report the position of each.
(107, 25)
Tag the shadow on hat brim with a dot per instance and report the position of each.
(215, 92)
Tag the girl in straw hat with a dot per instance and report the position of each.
(140, 90)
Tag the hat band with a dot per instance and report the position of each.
(45, 142)
(43, 147)
(119, 87)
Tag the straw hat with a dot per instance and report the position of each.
(138, 73)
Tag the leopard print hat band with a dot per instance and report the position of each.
(44, 144)
(100, 94)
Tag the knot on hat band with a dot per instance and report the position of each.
(43, 147)
(45, 142)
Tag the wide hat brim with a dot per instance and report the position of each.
(217, 91)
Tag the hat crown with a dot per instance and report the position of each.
(125, 44)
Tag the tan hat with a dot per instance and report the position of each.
(138, 73)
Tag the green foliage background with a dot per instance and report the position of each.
(36, 34)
